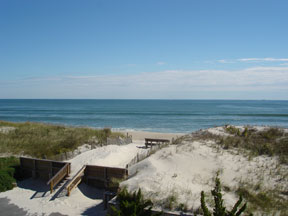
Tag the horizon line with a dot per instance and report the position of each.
(140, 99)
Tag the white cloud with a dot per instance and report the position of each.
(223, 61)
(263, 60)
(161, 63)
(162, 84)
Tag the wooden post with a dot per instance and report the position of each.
(51, 187)
(68, 193)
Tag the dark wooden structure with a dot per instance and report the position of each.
(48, 170)
(150, 142)
(102, 177)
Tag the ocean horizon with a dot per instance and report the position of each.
(155, 115)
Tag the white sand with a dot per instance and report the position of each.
(184, 171)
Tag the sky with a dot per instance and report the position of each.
(152, 49)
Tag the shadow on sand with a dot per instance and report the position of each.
(95, 210)
(42, 190)
(93, 193)
(40, 187)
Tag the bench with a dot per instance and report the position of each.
(150, 142)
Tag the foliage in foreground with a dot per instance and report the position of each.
(8, 172)
(219, 208)
(45, 140)
(132, 204)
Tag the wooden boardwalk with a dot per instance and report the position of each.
(54, 172)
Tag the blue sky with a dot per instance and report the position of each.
(193, 49)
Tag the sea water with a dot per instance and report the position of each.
(147, 115)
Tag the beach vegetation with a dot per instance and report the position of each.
(132, 204)
(171, 201)
(219, 207)
(270, 141)
(46, 140)
(9, 172)
(269, 202)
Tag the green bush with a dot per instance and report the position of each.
(6, 181)
(219, 208)
(132, 204)
(9, 172)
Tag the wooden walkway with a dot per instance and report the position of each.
(54, 172)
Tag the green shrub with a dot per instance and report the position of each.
(132, 204)
(219, 208)
(6, 181)
(232, 130)
(9, 172)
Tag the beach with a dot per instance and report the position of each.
(178, 172)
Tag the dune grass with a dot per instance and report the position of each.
(46, 140)
(271, 141)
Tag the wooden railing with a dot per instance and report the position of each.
(75, 180)
(59, 176)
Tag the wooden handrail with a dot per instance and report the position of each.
(56, 175)
(65, 170)
(73, 179)
(77, 175)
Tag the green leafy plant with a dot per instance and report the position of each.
(9, 170)
(219, 208)
(6, 181)
(132, 204)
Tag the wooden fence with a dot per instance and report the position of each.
(40, 168)
(141, 156)
(107, 178)
(48, 170)
(104, 177)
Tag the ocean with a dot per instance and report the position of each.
(181, 116)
